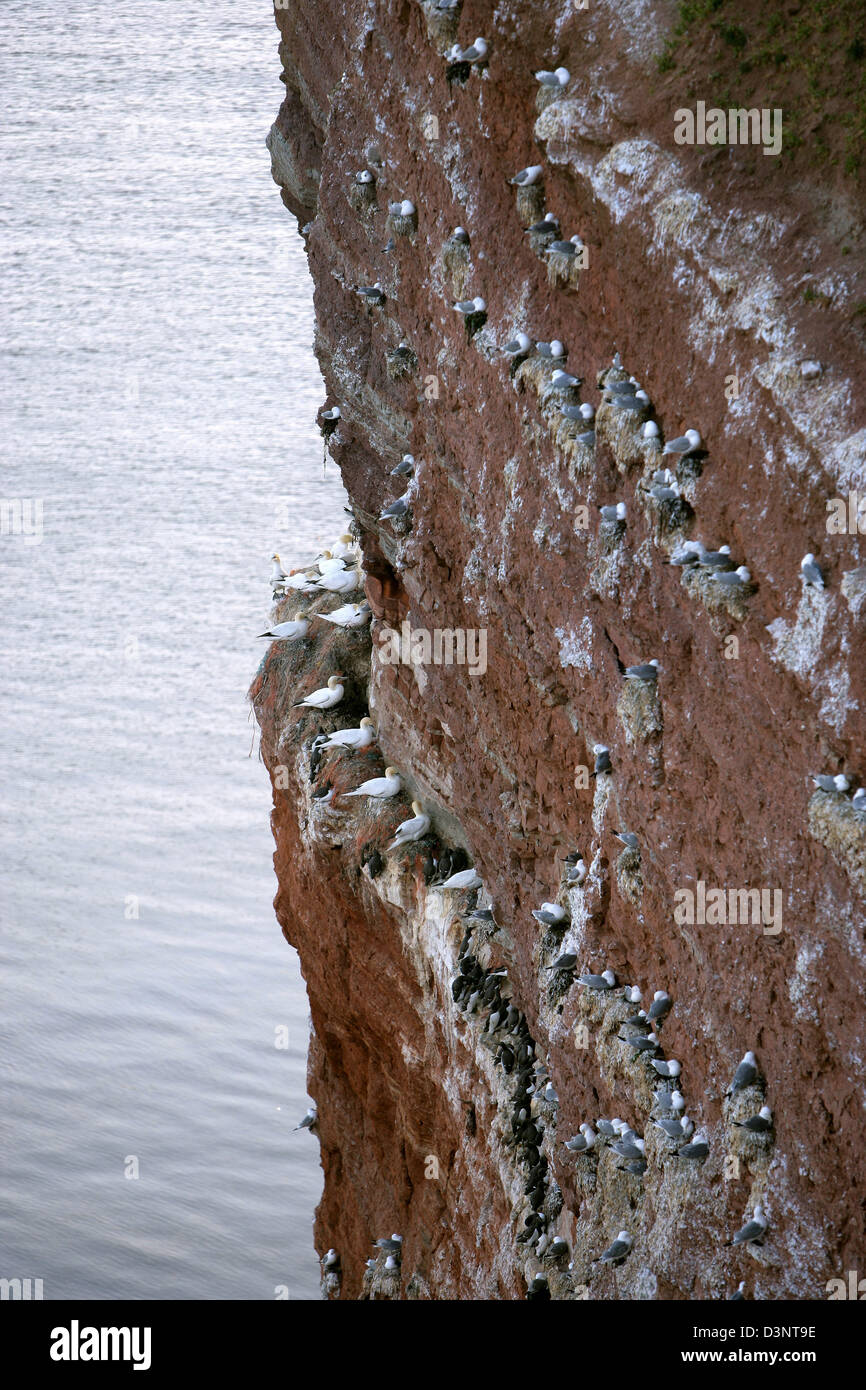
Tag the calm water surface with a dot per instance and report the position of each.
(159, 395)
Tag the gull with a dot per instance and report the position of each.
(646, 671)
(332, 414)
(393, 1244)
(564, 381)
(470, 306)
(415, 828)
(397, 508)
(628, 838)
(674, 1128)
(402, 208)
(689, 553)
(331, 1260)
(405, 468)
(606, 980)
(531, 174)
(667, 1069)
(373, 293)
(640, 1043)
(380, 787)
(632, 994)
(522, 343)
(475, 53)
(582, 1142)
(613, 513)
(357, 739)
(565, 248)
(661, 1005)
(732, 579)
(608, 1127)
(364, 176)
(716, 559)
(670, 1100)
(858, 801)
(560, 77)
(550, 914)
(548, 226)
(464, 880)
(350, 615)
(650, 430)
(587, 438)
(602, 759)
(576, 872)
(567, 961)
(391, 1263)
(739, 1292)
(309, 1119)
(839, 783)
(745, 1075)
(618, 1250)
(757, 1124)
(684, 444)
(460, 235)
(289, 631)
(755, 1229)
(552, 349)
(810, 571)
(329, 695)
(697, 1149)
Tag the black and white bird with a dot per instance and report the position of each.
(400, 507)
(628, 838)
(602, 759)
(810, 571)
(528, 176)
(567, 961)
(470, 306)
(415, 828)
(405, 468)
(618, 1250)
(745, 1075)
(605, 981)
(826, 783)
(696, 1150)
(660, 1007)
(516, 346)
(684, 444)
(553, 81)
(668, 1069)
(550, 914)
(754, 1229)
(565, 248)
(644, 671)
(548, 226)
(554, 349)
(325, 698)
(761, 1123)
(309, 1120)
(291, 631)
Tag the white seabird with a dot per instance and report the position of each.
(650, 430)
(606, 980)
(661, 1005)
(560, 77)
(290, 631)
(397, 508)
(552, 349)
(757, 1124)
(550, 914)
(684, 444)
(628, 838)
(350, 615)
(858, 801)
(464, 880)
(522, 343)
(670, 1069)
(645, 671)
(402, 208)
(329, 695)
(309, 1119)
(415, 828)
(470, 306)
(732, 579)
(745, 1075)
(528, 176)
(564, 248)
(380, 787)
(358, 738)
(475, 53)
(564, 381)
(755, 1229)
(618, 1250)
(342, 581)
(810, 571)
(839, 783)
(614, 512)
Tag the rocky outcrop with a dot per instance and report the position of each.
(450, 1062)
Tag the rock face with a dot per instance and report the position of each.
(435, 1034)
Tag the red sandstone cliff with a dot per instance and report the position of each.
(701, 265)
